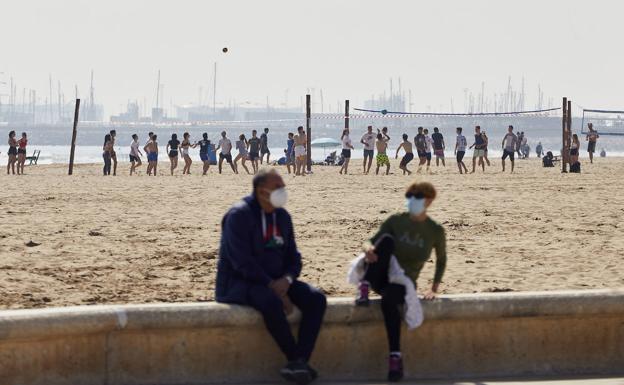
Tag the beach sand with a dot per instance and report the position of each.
(150, 239)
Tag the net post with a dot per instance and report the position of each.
(569, 136)
(346, 115)
(564, 123)
(73, 140)
(308, 134)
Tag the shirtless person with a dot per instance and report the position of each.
(151, 149)
(301, 142)
(382, 157)
(113, 134)
(226, 152)
(591, 138)
(409, 155)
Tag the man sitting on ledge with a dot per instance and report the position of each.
(259, 266)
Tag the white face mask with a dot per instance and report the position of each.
(278, 198)
(415, 206)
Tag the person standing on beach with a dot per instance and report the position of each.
(113, 135)
(259, 266)
(509, 146)
(184, 149)
(172, 151)
(486, 141)
(347, 146)
(241, 146)
(460, 150)
(254, 150)
(382, 157)
(479, 149)
(592, 139)
(410, 237)
(539, 150)
(290, 152)
(438, 146)
(151, 149)
(204, 144)
(226, 152)
(368, 140)
(135, 154)
(409, 155)
(301, 143)
(12, 153)
(428, 147)
(21, 153)
(519, 144)
(420, 142)
(574, 149)
(106, 154)
(264, 146)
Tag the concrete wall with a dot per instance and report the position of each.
(507, 334)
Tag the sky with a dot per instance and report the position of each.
(278, 49)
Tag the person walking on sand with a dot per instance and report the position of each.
(184, 150)
(151, 149)
(21, 153)
(301, 144)
(106, 154)
(409, 155)
(254, 150)
(574, 149)
(408, 237)
(519, 135)
(173, 151)
(428, 148)
(539, 150)
(12, 153)
(113, 135)
(460, 150)
(382, 156)
(290, 152)
(486, 141)
(420, 142)
(509, 146)
(368, 140)
(592, 139)
(264, 146)
(438, 146)
(204, 145)
(241, 146)
(225, 145)
(259, 266)
(479, 150)
(347, 146)
(135, 154)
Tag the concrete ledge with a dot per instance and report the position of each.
(546, 333)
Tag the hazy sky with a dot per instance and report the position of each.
(349, 49)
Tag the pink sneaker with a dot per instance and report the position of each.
(395, 368)
(362, 297)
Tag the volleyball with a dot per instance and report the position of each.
(224, 49)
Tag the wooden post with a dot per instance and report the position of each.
(564, 142)
(73, 141)
(569, 124)
(308, 134)
(346, 115)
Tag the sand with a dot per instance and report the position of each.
(150, 239)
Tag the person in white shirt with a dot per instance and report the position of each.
(460, 151)
(428, 147)
(347, 146)
(368, 140)
(135, 154)
(226, 148)
(509, 147)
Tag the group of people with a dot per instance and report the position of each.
(16, 153)
(259, 266)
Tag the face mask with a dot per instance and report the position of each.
(278, 198)
(415, 206)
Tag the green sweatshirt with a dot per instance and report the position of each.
(413, 242)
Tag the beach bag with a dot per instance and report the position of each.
(547, 162)
(575, 167)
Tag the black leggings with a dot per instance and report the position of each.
(392, 295)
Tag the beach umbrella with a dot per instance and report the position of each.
(326, 143)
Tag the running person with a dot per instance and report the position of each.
(301, 143)
(410, 237)
(254, 150)
(21, 153)
(151, 149)
(509, 146)
(420, 144)
(264, 145)
(204, 145)
(479, 149)
(409, 155)
(241, 146)
(460, 150)
(382, 157)
(184, 149)
(368, 140)
(225, 145)
(347, 146)
(173, 151)
(12, 153)
(438, 146)
(135, 154)
(591, 138)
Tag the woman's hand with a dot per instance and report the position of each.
(433, 293)
(370, 256)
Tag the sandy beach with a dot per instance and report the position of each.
(150, 239)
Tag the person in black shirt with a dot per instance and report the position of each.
(172, 150)
(479, 149)
(420, 144)
(438, 146)
(204, 145)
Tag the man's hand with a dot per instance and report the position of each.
(280, 286)
(370, 256)
(433, 293)
(288, 305)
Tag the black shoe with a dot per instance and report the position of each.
(313, 372)
(395, 368)
(298, 372)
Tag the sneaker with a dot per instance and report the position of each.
(362, 297)
(313, 372)
(395, 368)
(297, 372)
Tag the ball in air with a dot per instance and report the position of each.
(224, 49)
